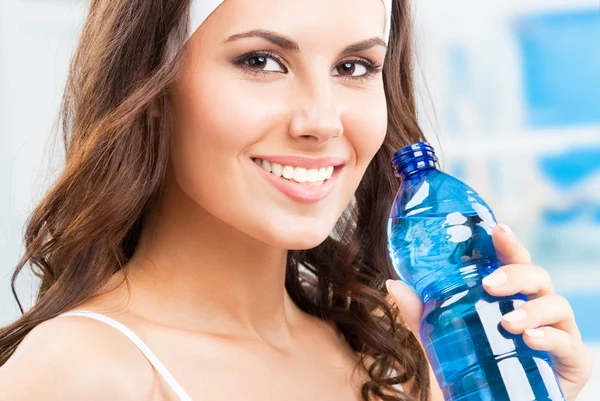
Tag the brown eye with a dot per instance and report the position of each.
(263, 62)
(350, 69)
(257, 61)
(346, 69)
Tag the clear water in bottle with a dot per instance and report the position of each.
(439, 238)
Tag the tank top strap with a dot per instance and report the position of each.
(137, 341)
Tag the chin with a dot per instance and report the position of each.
(300, 235)
(304, 244)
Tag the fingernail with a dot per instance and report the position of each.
(387, 285)
(495, 279)
(508, 231)
(515, 316)
(537, 333)
(392, 287)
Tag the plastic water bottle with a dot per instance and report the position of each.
(439, 238)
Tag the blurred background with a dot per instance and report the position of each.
(509, 93)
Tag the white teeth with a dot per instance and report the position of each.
(298, 174)
(322, 174)
(277, 169)
(266, 166)
(313, 175)
(288, 172)
(329, 172)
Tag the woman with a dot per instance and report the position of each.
(206, 169)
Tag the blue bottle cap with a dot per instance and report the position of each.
(412, 158)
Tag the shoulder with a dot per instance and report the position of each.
(74, 358)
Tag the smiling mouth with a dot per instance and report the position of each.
(301, 175)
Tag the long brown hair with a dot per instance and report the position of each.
(87, 225)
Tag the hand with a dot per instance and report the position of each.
(546, 320)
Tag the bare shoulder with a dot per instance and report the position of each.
(75, 358)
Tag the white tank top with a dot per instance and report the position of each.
(152, 358)
(154, 361)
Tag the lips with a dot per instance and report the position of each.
(306, 180)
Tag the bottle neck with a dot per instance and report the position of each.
(413, 159)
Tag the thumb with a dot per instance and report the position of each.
(409, 304)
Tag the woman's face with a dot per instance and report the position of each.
(279, 113)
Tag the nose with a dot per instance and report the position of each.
(316, 117)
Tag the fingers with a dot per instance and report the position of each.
(508, 247)
(513, 279)
(408, 302)
(570, 352)
(544, 307)
(552, 310)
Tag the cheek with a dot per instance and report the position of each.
(366, 129)
(217, 120)
(227, 114)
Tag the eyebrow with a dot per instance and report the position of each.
(288, 44)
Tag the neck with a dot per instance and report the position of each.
(198, 273)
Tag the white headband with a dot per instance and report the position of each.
(201, 9)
